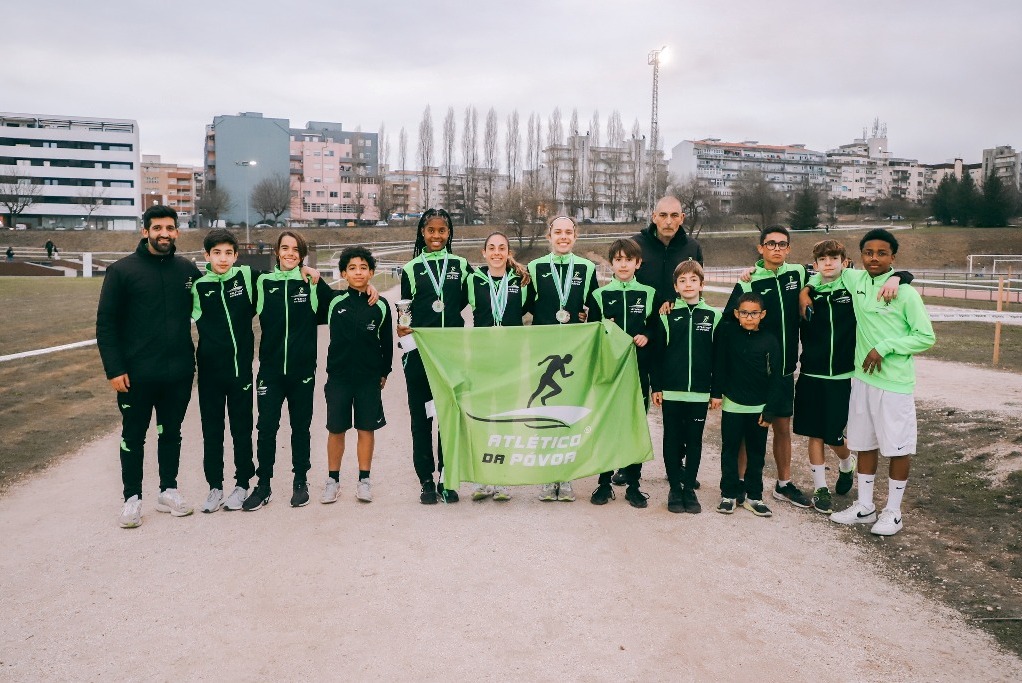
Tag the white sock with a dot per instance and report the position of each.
(781, 483)
(845, 464)
(819, 476)
(866, 490)
(895, 491)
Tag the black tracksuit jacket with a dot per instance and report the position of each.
(660, 260)
(682, 344)
(289, 308)
(223, 307)
(361, 337)
(143, 321)
(747, 369)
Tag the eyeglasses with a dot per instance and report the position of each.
(775, 245)
(749, 314)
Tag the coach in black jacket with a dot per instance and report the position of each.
(143, 329)
(665, 245)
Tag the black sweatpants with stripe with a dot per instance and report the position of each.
(216, 392)
(169, 399)
(271, 392)
(422, 426)
(683, 440)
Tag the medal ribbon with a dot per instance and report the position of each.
(437, 286)
(498, 298)
(563, 290)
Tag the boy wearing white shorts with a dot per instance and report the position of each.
(881, 411)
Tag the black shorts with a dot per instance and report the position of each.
(821, 408)
(787, 395)
(359, 396)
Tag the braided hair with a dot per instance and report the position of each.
(420, 241)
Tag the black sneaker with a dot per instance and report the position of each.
(791, 493)
(300, 496)
(428, 495)
(822, 501)
(740, 499)
(845, 481)
(635, 497)
(619, 479)
(676, 499)
(258, 498)
(691, 503)
(726, 506)
(695, 485)
(448, 495)
(602, 495)
(757, 507)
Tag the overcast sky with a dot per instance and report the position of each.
(943, 76)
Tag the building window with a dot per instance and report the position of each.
(347, 195)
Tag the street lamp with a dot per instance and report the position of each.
(654, 59)
(248, 200)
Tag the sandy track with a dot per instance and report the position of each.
(397, 590)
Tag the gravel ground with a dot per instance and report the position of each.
(395, 590)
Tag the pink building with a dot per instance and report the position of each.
(334, 176)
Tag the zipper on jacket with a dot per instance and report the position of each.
(230, 327)
(287, 324)
(830, 317)
(690, 330)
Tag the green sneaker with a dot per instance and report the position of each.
(845, 479)
(822, 502)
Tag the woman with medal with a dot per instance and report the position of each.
(497, 294)
(435, 281)
(561, 284)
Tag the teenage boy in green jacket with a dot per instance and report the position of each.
(882, 414)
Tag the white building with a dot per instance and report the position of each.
(89, 169)
(720, 164)
(1004, 162)
(865, 170)
(604, 183)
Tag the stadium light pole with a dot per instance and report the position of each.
(654, 59)
(248, 201)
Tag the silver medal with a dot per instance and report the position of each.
(563, 316)
(438, 306)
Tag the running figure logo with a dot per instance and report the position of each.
(547, 381)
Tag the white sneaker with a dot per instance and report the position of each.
(236, 499)
(331, 490)
(131, 513)
(856, 514)
(171, 501)
(364, 490)
(564, 492)
(548, 492)
(501, 493)
(482, 491)
(214, 501)
(888, 524)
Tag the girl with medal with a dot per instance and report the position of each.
(497, 294)
(436, 282)
(561, 284)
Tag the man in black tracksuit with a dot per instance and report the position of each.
(143, 330)
(747, 378)
(223, 308)
(664, 245)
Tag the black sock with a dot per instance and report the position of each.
(335, 475)
(363, 474)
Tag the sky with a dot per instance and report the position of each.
(943, 76)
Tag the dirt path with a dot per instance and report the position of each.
(523, 590)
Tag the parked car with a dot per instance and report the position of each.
(262, 225)
(382, 224)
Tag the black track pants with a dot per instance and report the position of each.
(170, 401)
(683, 440)
(236, 394)
(734, 428)
(271, 392)
(422, 427)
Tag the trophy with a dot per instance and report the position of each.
(404, 312)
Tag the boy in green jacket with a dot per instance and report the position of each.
(882, 413)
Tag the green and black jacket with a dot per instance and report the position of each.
(747, 373)
(682, 343)
(543, 302)
(779, 290)
(629, 304)
(418, 288)
(828, 337)
(479, 298)
(289, 308)
(361, 337)
(223, 307)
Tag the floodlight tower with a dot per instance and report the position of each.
(654, 59)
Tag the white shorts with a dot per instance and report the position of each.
(879, 419)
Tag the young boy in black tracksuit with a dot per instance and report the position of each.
(289, 309)
(436, 283)
(630, 305)
(747, 378)
(359, 360)
(223, 305)
(682, 379)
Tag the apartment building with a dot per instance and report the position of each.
(1005, 163)
(172, 185)
(604, 183)
(81, 171)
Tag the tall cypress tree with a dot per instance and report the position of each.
(995, 205)
(966, 200)
(943, 201)
(805, 213)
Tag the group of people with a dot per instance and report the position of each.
(691, 358)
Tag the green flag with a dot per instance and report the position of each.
(533, 405)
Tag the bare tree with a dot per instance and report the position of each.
(614, 162)
(755, 197)
(402, 159)
(593, 161)
(698, 203)
(554, 140)
(513, 148)
(214, 202)
(574, 165)
(385, 195)
(17, 194)
(490, 150)
(91, 199)
(272, 197)
(447, 151)
(532, 141)
(516, 207)
(470, 154)
(636, 196)
(425, 153)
